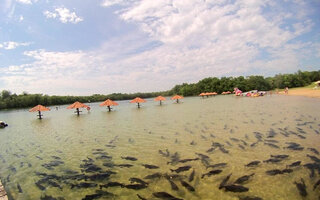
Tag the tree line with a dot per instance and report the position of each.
(211, 84)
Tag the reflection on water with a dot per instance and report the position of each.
(217, 148)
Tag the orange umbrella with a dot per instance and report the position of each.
(38, 109)
(78, 105)
(177, 97)
(160, 98)
(109, 103)
(138, 100)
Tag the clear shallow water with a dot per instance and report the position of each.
(64, 140)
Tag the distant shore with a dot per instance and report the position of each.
(307, 92)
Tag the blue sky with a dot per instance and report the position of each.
(104, 46)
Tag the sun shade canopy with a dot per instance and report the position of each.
(39, 108)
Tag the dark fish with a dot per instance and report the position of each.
(193, 143)
(191, 177)
(235, 188)
(301, 187)
(250, 198)
(253, 163)
(253, 144)
(210, 150)
(150, 166)
(188, 160)
(287, 171)
(316, 184)
(167, 154)
(19, 188)
(112, 184)
(92, 168)
(223, 150)
(271, 141)
(152, 176)
(212, 172)
(187, 185)
(244, 142)
(83, 185)
(129, 158)
(314, 158)
(41, 187)
(235, 139)
(136, 186)
(272, 160)
(314, 150)
(242, 147)
(140, 197)
(203, 156)
(100, 176)
(138, 180)
(294, 164)
(56, 157)
(165, 196)
(39, 158)
(217, 165)
(273, 172)
(280, 156)
(181, 169)
(224, 181)
(92, 196)
(243, 179)
(272, 145)
(124, 165)
(173, 185)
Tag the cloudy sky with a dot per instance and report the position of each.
(104, 46)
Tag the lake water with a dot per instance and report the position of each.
(68, 157)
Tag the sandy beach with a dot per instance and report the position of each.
(308, 92)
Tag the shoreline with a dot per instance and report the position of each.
(3, 193)
(306, 92)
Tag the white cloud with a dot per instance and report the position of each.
(21, 18)
(12, 45)
(64, 15)
(26, 1)
(107, 3)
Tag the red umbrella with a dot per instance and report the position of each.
(138, 100)
(177, 97)
(38, 109)
(109, 103)
(76, 105)
(160, 98)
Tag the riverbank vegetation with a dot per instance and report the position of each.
(212, 84)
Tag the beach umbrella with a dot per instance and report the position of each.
(138, 100)
(160, 98)
(177, 97)
(76, 105)
(38, 109)
(109, 103)
(202, 94)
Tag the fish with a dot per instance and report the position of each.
(253, 163)
(314, 150)
(242, 147)
(224, 181)
(273, 172)
(138, 180)
(150, 166)
(272, 160)
(301, 187)
(235, 139)
(181, 169)
(286, 171)
(314, 158)
(272, 145)
(191, 177)
(129, 158)
(212, 172)
(223, 150)
(244, 142)
(280, 156)
(271, 141)
(92, 196)
(294, 164)
(173, 185)
(41, 187)
(112, 184)
(217, 165)
(152, 176)
(83, 185)
(188, 160)
(243, 179)
(165, 196)
(235, 188)
(210, 150)
(101, 176)
(253, 144)
(140, 197)
(187, 185)
(250, 198)
(124, 165)
(193, 143)
(54, 184)
(136, 186)
(19, 188)
(316, 184)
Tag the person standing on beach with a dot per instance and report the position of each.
(286, 90)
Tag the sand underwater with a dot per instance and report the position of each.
(224, 147)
